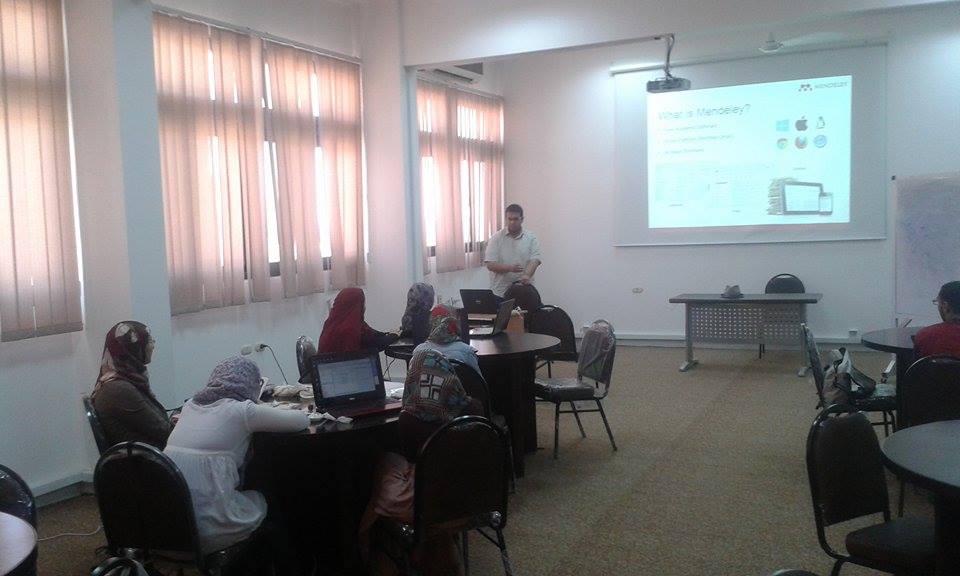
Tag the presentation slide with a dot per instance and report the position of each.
(756, 154)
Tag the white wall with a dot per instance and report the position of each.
(559, 166)
(456, 30)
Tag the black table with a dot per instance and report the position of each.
(929, 456)
(508, 363)
(899, 341)
(754, 318)
(18, 542)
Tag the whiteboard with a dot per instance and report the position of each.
(927, 242)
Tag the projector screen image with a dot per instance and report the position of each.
(750, 155)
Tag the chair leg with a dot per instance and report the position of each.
(463, 548)
(577, 416)
(502, 544)
(836, 567)
(900, 499)
(549, 369)
(606, 424)
(556, 430)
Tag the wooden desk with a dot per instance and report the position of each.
(755, 318)
(929, 456)
(508, 363)
(18, 545)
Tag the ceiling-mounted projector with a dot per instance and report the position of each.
(668, 84)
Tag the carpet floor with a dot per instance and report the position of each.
(709, 478)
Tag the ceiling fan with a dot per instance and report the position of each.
(771, 45)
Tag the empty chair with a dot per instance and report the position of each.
(882, 400)
(594, 372)
(99, 436)
(17, 500)
(145, 506)
(847, 482)
(306, 349)
(780, 284)
(460, 484)
(553, 321)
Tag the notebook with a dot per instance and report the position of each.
(350, 384)
(479, 301)
(499, 323)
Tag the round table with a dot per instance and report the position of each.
(929, 456)
(896, 340)
(18, 541)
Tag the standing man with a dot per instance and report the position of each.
(513, 254)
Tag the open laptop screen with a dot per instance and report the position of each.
(346, 378)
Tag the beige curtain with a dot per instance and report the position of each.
(39, 278)
(209, 89)
(461, 151)
(313, 118)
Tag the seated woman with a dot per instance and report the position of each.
(415, 323)
(125, 405)
(432, 396)
(209, 445)
(942, 338)
(445, 338)
(346, 331)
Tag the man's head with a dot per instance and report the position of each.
(948, 301)
(514, 217)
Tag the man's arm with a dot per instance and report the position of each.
(504, 268)
(533, 263)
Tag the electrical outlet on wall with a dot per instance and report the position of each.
(246, 350)
(637, 290)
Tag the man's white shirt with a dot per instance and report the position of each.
(502, 248)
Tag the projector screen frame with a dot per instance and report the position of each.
(868, 171)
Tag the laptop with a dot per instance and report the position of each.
(499, 323)
(478, 301)
(350, 384)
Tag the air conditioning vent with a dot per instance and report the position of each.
(467, 73)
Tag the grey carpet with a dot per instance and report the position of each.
(709, 479)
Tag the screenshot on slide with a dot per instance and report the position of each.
(755, 154)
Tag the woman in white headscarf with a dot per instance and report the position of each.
(209, 445)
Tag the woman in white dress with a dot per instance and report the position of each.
(209, 444)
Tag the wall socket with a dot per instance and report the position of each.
(246, 350)
(854, 331)
(637, 290)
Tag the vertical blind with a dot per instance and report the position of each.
(461, 173)
(261, 149)
(39, 278)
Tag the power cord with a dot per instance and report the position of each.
(260, 347)
(77, 534)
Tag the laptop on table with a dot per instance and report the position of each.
(351, 385)
(499, 323)
(477, 301)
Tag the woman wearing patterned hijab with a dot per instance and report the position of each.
(345, 329)
(209, 446)
(445, 338)
(415, 323)
(125, 405)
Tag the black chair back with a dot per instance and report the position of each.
(99, 436)
(553, 321)
(930, 391)
(462, 476)
(845, 468)
(305, 350)
(526, 296)
(784, 284)
(816, 362)
(473, 384)
(16, 497)
(144, 501)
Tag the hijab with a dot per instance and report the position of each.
(344, 327)
(126, 355)
(419, 300)
(444, 326)
(235, 378)
(432, 392)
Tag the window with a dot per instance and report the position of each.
(260, 145)
(39, 275)
(461, 167)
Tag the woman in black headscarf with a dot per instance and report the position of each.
(415, 323)
(126, 406)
